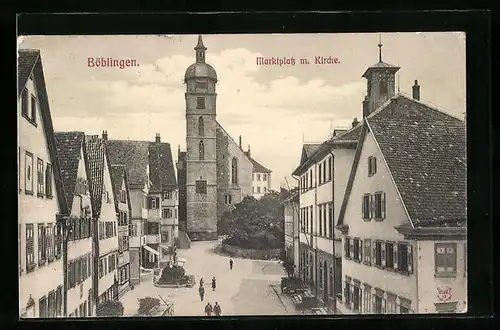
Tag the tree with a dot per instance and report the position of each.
(110, 308)
(256, 224)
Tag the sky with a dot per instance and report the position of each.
(276, 109)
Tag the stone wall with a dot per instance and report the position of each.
(235, 251)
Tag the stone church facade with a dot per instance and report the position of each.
(214, 172)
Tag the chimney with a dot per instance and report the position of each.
(416, 91)
(366, 106)
(157, 138)
(240, 143)
(249, 151)
(355, 122)
(105, 135)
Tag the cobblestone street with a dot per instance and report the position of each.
(244, 290)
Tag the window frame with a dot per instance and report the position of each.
(30, 249)
(33, 109)
(28, 172)
(40, 176)
(200, 102)
(446, 257)
(366, 207)
(48, 180)
(201, 187)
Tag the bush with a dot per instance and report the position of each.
(147, 304)
(173, 275)
(110, 308)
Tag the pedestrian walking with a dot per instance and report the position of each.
(201, 281)
(202, 292)
(230, 263)
(217, 310)
(208, 309)
(214, 284)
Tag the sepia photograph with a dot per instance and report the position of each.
(242, 174)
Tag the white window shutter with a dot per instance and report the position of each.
(410, 259)
(395, 256)
(351, 293)
(382, 199)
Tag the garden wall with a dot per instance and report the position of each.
(235, 251)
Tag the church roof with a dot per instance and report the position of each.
(257, 167)
(425, 151)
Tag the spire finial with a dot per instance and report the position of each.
(380, 48)
(200, 50)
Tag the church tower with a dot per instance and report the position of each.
(201, 165)
(381, 83)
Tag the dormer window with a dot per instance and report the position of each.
(372, 165)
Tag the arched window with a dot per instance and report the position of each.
(234, 170)
(201, 126)
(202, 151)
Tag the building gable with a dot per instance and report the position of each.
(362, 183)
(30, 65)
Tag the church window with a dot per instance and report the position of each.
(200, 102)
(201, 126)
(201, 187)
(228, 199)
(201, 151)
(234, 170)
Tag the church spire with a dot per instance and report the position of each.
(200, 50)
(380, 48)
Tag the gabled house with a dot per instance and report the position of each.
(154, 200)
(123, 208)
(261, 177)
(41, 199)
(78, 246)
(105, 221)
(405, 247)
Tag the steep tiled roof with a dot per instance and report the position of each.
(132, 154)
(427, 159)
(257, 167)
(95, 171)
(69, 147)
(161, 166)
(25, 64)
(117, 172)
(30, 62)
(425, 150)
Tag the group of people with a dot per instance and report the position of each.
(209, 309)
(215, 309)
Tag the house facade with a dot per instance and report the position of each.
(404, 249)
(291, 210)
(105, 221)
(322, 176)
(78, 245)
(41, 200)
(123, 209)
(261, 177)
(154, 200)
